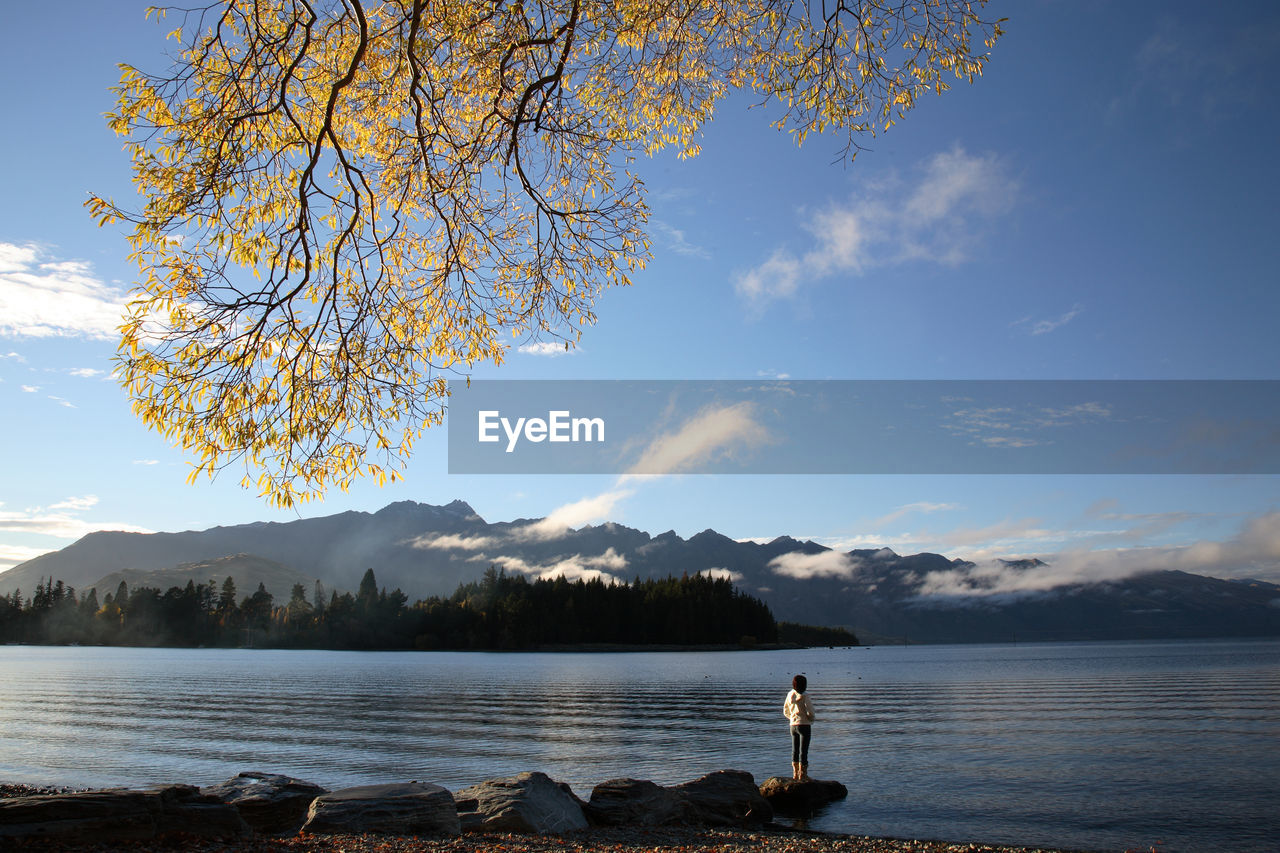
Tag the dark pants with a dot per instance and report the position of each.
(800, 744)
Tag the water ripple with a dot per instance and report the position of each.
(1090, 745)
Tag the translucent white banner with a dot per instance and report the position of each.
(865, 427)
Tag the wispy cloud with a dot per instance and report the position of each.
(79, 504)
(60, 520)
(937, 219)
(30, 389)
(545, 348)
(1044, 327)
(146, 462)
(824, 564)
(676, 240)
(559, 521)
(906, 541)
(777, 278)
(86, 372)
(1172, 73)
(1022, 426)
(713, 432)
(452, 542)
(1253, 552)
(912, 509)
(44, 297)
(12, 555)
(1021, 530)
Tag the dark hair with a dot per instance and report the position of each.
(799, 683)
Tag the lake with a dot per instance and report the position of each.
(1086, 745)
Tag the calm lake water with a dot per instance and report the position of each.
(1098, 746)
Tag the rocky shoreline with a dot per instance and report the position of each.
(722, 812)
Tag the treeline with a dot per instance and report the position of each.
(793, 633)
(499, 611)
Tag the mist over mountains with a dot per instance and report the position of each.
(428, 550)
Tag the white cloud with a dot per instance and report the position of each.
(14, 258)
(61, 401)
(13, 355)
(572, 515)
(86, 372)
(30, 389)
(937, 220)
(146, 462)
(714, 432)
(54, 298)
(725, 574)
(453, 542)
(824, 564)
(547, 348)
(576, 567)
(868, 540)
(776, 278)
(955, 182)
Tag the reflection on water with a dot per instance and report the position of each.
(1086, 745)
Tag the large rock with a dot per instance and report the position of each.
(120, 815)
(621, 802)
(270, 803)
(526, 803)
(409, 808)
(796, 797)
(726, 798)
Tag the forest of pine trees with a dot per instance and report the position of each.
(499, 611)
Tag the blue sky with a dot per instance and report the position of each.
(1100, 205)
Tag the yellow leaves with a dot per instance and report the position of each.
(335, 218)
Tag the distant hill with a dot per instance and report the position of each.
(425, 550)
(336, 548)
(247, 571)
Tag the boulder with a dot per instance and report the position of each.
(796, 797)
(184, 810)
(526, 803)
(270, 803)
(638, 802)
(409, 808)
(726, 798)
(120, 815)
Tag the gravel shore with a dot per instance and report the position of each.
(656, 840)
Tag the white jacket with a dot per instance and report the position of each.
(798, 709)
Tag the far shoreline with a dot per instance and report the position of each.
(576, 648)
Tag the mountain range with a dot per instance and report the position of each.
(883, 596)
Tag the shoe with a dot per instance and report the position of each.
(804, 773)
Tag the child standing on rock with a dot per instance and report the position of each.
(799, 711)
